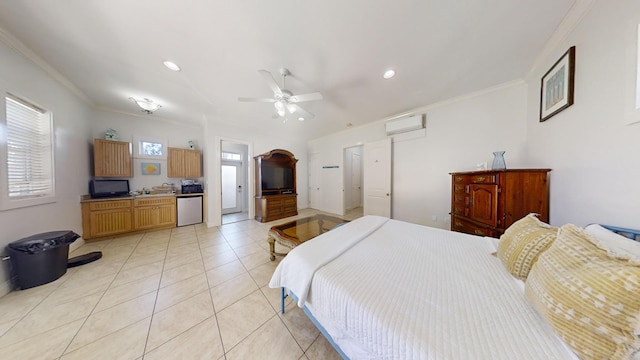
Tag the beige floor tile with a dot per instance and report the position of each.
(214, 249)
(158, 234)
(218, 259)
(137, 273)
(17, 304)
(180, 291)
(7, 324)
(200, 342)
(232, 290)
(153, 242)
(150, 249)
(255, 260)
(175, 320)
(177, 260)
(181, 272)
(78, 286)
(126, 343)
(139, 260)
(271, 340)
(44, 318)
(220, 274)
(183, 249)
(262, 274)
(248, 249)
(49, 345)
(321, 349)
(303, 330)
(103, 323)
(242, 318)
(119, 294)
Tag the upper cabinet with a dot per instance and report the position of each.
(112, 158)
(184, 163)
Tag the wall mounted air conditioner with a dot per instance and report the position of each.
(411, 123)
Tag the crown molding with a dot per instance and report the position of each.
(575, 15)
(16, 45)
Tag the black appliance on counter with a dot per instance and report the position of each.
(192, 189)
(106, 188)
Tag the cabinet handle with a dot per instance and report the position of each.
(458, 223)
(479, 232)
(479, 178)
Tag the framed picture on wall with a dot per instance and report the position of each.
(556, 89)
(150, 168)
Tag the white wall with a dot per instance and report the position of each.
(72, 145)
(130, 128)
(594, 155)
(459, 134)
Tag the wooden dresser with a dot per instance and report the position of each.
(487, 202)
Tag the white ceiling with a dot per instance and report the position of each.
(111, 50)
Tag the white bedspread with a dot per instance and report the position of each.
(407, 291)
(296, 270)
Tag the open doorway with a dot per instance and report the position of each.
(353, 181)
(234, 170)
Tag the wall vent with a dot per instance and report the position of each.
(406, 124)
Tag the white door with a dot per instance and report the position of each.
(356, 181)
(377, 178)
(314, 182)
(231, 187)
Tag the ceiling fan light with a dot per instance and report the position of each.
(291, 108)
(279, 105)
(301, 118)
(281, 112)
(147, 105)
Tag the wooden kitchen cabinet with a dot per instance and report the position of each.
(105, 218)
(184, 163)
(487, 202)
(112, 158)
(156, 212)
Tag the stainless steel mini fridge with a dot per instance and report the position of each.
(189, 210)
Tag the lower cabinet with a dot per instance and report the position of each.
(154, 212)
(105, 218)
(273, 207)
(113, 217)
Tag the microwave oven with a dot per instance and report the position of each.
(105, 188)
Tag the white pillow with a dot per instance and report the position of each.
(615, 245)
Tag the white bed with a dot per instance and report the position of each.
(386, 289)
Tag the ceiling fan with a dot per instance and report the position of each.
(284, 100)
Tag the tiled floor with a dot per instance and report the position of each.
(186, 293)
(235, 217)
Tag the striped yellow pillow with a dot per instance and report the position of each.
(590, 298)
(523, 242)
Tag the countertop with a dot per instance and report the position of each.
(88, 198)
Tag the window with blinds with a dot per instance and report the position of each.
(29, 141)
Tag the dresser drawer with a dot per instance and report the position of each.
(484, 179)
(460, 225)
(109, 205)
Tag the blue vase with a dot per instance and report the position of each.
(498, 161)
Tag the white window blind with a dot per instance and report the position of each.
(29, 150)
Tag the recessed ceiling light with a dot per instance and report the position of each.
(301, 118)
(389, 74)
(171, 65)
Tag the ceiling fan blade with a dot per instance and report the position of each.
(302, 112)
(271, 82)
(306, 97)
(246, 99)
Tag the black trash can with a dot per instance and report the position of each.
(40, 258)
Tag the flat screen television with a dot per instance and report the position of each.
(274, 178)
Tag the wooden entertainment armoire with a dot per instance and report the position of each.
(274, 204)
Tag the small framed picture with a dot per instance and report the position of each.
(556, 89)
(150, 168)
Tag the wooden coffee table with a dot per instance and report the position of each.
(294, 233)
